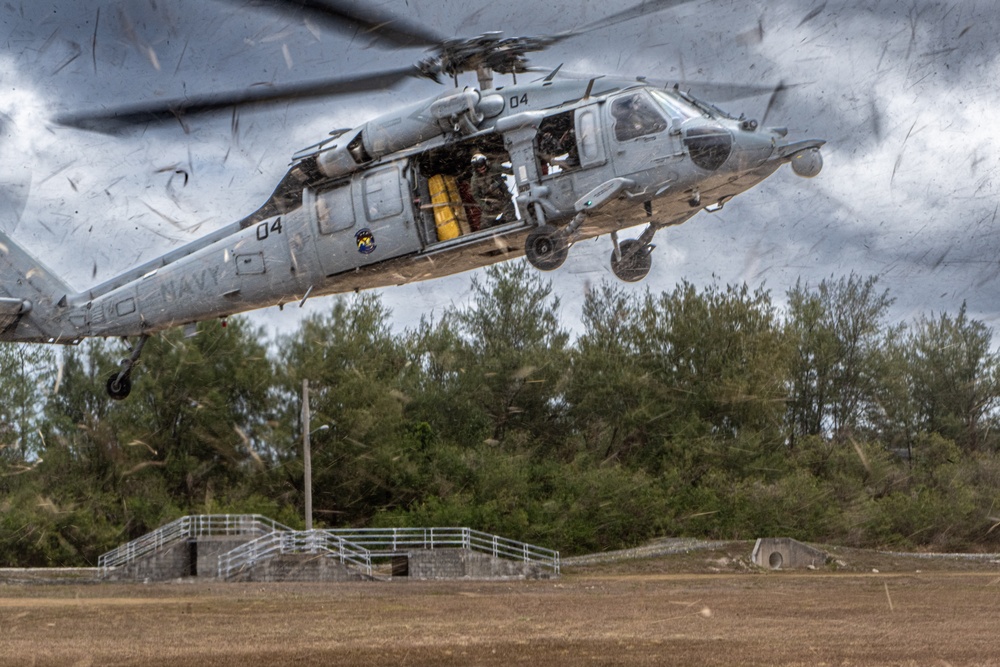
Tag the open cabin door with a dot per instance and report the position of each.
(463, 204)
(571, 151)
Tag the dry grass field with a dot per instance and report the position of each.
(704, 608)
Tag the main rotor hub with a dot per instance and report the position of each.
(489, 51)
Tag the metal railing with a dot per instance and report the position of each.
(186, 527)
(397, 541)
(320, 542)
(353, 545)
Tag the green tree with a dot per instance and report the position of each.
(515, 354)
(612, 396)
(362, 461)
(956, 379)
(437, 380)
(838, 332)
(719, 355)
(200, 404)
(66, 507)
(895, 418)
(26, 372)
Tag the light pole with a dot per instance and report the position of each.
(307, 453)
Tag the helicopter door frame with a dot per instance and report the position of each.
(642, 135)
(589, 136)
(451, 162)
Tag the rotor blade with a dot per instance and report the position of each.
(112, 121)
(776, 98)
(636, 11)
(710, 91)
(728, 92)
(355, 16)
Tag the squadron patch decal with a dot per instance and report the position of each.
(366, 241)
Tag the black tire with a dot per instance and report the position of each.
(119, 389)
(635, 262)
(544, 249)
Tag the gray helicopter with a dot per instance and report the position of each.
(470, 177)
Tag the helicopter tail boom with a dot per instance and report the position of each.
(33, 300)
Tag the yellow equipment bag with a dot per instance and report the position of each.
(449, 213)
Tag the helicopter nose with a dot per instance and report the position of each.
(710, 146)
(751, 148)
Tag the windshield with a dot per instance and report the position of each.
(678, 108)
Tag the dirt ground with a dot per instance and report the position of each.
(704, 608)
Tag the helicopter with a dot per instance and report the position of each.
(399, 198)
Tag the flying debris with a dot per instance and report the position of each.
(15, 176)
(462, 179)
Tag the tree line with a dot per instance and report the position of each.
(700, 412)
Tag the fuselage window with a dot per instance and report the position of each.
(555, 144)
(382, 194)
(635, 116)
(588, 135)
(335, 210)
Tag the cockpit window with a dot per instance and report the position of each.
(678, 108)
(635, 116)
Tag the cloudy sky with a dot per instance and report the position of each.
(905, 92)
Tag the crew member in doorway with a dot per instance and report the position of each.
(490, 191)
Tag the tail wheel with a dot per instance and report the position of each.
(636, 260)
(119, 385)
(119, 388)
(544, 249)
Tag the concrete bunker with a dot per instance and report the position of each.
(784, 553)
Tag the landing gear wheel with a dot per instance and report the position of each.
(119, 389)
(544, 249)
(119, 385)
(636, 260)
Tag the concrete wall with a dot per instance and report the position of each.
(300, 567)
(185, 558)
(199, 557)
(465, 564)
(170, 562)
(207, 550)
(784, 553)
